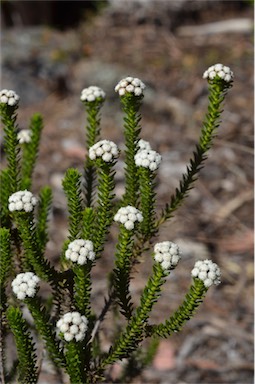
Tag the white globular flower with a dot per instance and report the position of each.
(167, 254)
(22, 201)
(131, 85)
(143, 144)
(80, 251)
(24, 136)
(92, 93)
(9, 97)
(25, 285)
(219, 70)
(128, 216)
(148, 159)
(207, 271)
(73, 326)
(105, 149)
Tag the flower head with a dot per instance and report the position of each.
(24, 136)
(25, 285)
(148, 158)
(22, 201)
(167, 254)
(92, 93)
(80, 251)
(128, 216)
(105, 149)
(207, 271)
(143, 144)
(131, 85)
(73, 326)
(220, 71)
(9, 97)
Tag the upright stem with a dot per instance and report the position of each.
(104, 211)
(9, 116)
(132, 129)
(217, 92)
(92, 131)
(134, 333)
(147, 200)
(122, 271)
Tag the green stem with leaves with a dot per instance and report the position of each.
(5, 262)
(11, 145)
(104, 210)
(44, 207)
(34, 259)
(184, 313)
(122, 270)
(131, 105)
(82, 288)
(217, 92)
(135, 331)
(30, 151)
(147, 201)
(74, 366)
(72, 188)
(27, 369)
(46, 330)
(93, 132)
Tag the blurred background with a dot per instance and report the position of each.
(51, 50)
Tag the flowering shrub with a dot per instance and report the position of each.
(67, 324)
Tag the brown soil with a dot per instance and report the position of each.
(216, 221)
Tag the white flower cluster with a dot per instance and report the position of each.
(148, 158)
(80, 251)
(219, 70)
(207, 271)
(143, 144)
(92, 93)
(25, 285)
(130, 85)
(73, 326)
(24, 136)
(9, 97)
(167, 254)
(105, 149)
(128, 216)
(22, 201)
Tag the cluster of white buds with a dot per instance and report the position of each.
(80, 251)
(92, 93)
(207, 271)
(24, 136)
(22, 201)
(25, 285)
(9, 97)
(128, 216)
(73, 326)
(219, 70)
(143, 144)
(105, 149)
(148, 158)
(167, 254)
(130, 85)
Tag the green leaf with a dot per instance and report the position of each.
(27, 369)
(131, 105)
(30, 151)
(44, 206)
(5, 255)
(11, 146)
(72, 188)
(46, 329)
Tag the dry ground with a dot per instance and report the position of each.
(50, 69)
